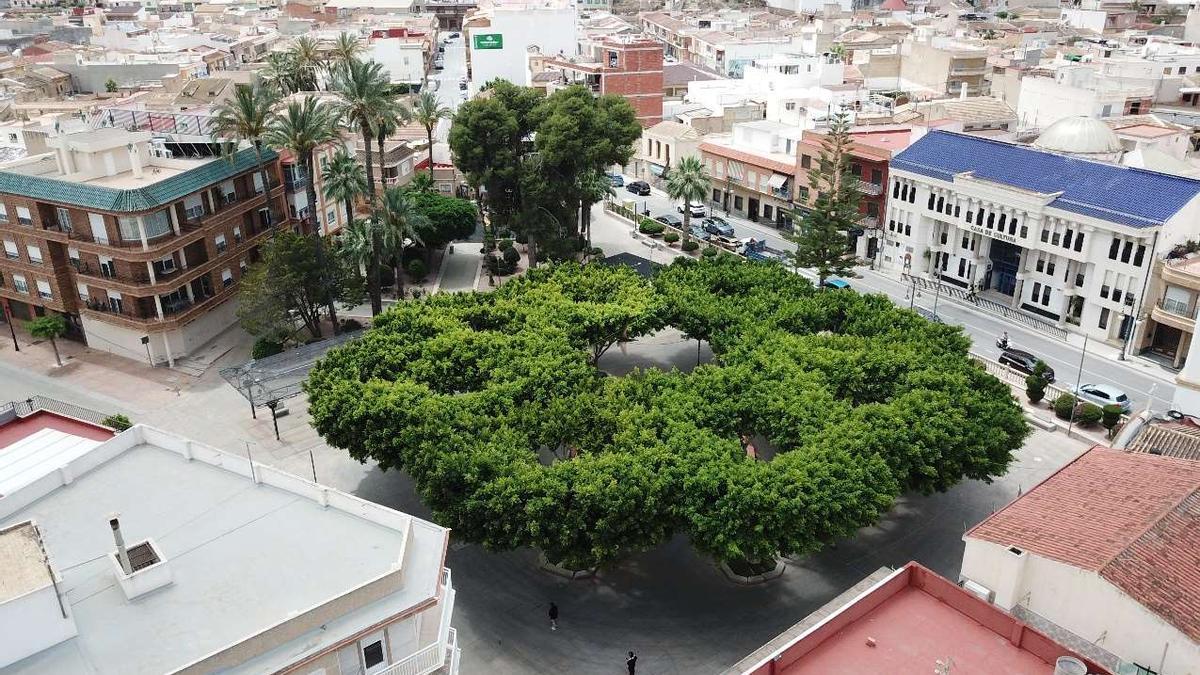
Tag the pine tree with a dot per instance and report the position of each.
(822, 241)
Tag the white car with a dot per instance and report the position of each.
(1104, 394)
(696, 208)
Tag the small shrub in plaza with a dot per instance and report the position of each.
(1090, 414)
(1064, 405)
(1111, 417)
(671, 237)
(709, 252)
(651, 227)
(690, 245)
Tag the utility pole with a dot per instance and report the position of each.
(1078, 379)
(274, 418)
(12, 329)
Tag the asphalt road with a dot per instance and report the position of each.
(1146, 383)
(445, 82)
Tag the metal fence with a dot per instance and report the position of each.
(18, 409)
(281, 376)
(988, 305)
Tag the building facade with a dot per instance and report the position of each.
(631, 68)
(1060, 238)
(1173, 301)
(753, 171)
(141, 253)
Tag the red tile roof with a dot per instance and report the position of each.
(1134, 518)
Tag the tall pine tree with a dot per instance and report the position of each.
(822, 241)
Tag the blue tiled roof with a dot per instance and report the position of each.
(131, 201)
(1133, 197)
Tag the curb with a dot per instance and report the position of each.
(780, 566)
(563, 572)
(437, 283)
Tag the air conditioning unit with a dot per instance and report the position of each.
(978, 590)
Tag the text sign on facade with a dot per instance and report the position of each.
(995, 234)
(489, 41)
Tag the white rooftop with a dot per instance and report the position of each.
(245, 555)
(38, 454)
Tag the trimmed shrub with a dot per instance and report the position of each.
(1064, 405)
(416, 269)
(690, 245)
(1035, 388)
(1090, 414)
(511, 256)
(596, 252)
(671, 237)
(1111, 417)
(118, 422)
(500, 266)
(709, 251)
(506, 244)
(651, 227)
(263, 348)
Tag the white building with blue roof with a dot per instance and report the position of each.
(1062, 237)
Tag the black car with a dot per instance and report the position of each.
(638, 187)
(669, 219)
(1023, 362)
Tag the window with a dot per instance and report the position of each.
(957, 210)
(1116, 295)
(73, 256)
(941, 205)
(115, 302)
(242, 265)
(1041, 265)
(226, 277)
(64, 219)
(237, 231)
(1126, 251)
(10, 250)
(373, 654)
(23, 216)
(1054, 239)
(19, 284)
(1104, 290)
(962, 267)
(931, 201)
(330, 219)
(716, 195)
(767, 211)
(892, 226)
(1045, 236)
(219, 242)
(877, 176)
(3, 213)
(856, 169)
(991, 219)
(1103, 323)
(165, 266)
(83, 293)
(35, 254)
(1037, 290)
(806, 162)
(1079, 280)
(44, 289)
(193, 208)
(970, 214)
(1045, 295)
(106, 267)
(1079, 242)
(896, 190)
(737, 203)
(912, 196)
(965, 243)
(1050, 268)
(228, 193)
(1024, 231)
(790, 105)
(945, 236)
(1139, 256)
(1114, 249)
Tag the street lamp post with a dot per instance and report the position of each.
(1126, 330)
(11, 327)
(937, 290)
(273, 404)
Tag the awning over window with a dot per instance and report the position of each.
(737, 170)
(656, 169)
(777, 181)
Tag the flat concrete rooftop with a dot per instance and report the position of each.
(244, 556)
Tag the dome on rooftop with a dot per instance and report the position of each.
(1081, 136)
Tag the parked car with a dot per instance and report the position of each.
(699, 232)
(696, 208)
(1024, 362)
(837, 284)
(717, 225)
(638, 187)
(669, 219)
(454, 36)
(1104, 394)
(617, 179)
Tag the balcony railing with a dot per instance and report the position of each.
(868, 188)
(1178, 307)
(425, 661)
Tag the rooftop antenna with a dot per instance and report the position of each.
(122, 552)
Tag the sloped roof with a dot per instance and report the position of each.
(1134, 518)
(60, 191)
(1133, 197)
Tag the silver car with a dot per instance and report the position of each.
(1104, 394)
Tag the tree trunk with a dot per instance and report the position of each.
(687, 221)
(400, 273)
(429, 132)
(322, 262)
(373, 285)
(57, 358)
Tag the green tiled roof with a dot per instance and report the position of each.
(159, 194)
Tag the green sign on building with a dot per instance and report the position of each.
(489, 41)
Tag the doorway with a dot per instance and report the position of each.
(1006, 260)
(752, 210)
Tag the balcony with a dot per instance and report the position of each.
(1175, 314)
(868, 188)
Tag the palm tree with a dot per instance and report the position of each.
(246, 117)
(688, 183)
(344, 181)
(362, 87)
(388, 119)
(301, 128)
(354, 242)
(399, 222)
(428, 112)
(421, 182)
(346, 48)
(306, 55)
(279, 73)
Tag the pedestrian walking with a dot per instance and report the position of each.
(631, 663)
(553, 616)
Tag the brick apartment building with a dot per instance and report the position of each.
(630, 67)
(140, 252)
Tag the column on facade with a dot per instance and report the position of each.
(167, 348)
(150, 269)
(158, 306)
(174, 219)
(182, 259)
(141, 223)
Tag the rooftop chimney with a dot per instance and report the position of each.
(122, 552)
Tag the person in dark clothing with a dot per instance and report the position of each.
(631, 663)
(553, 616)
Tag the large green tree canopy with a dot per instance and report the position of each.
(493, 405)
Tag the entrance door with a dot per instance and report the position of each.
(752, 210)
(1006, 260)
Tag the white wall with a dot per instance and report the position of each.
(402, 60)
(1089, 19)
(33, 622)
(1085, 604)
(551, 30)
(1043, 101)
